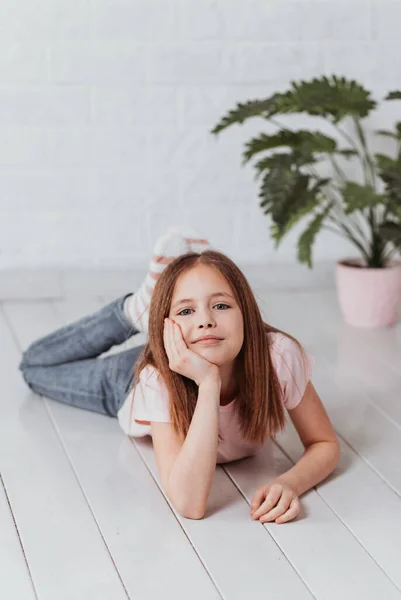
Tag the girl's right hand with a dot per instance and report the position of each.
(184, 361)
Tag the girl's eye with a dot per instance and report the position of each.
(184, 309)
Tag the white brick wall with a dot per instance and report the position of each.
(106, 107)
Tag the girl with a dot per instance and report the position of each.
(210, 386)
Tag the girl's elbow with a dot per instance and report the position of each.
(195, 515)
(191, 512)
(186, 511)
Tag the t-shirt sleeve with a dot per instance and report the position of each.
(151, 399)
(293, 370)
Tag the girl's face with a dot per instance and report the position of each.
(203, 304)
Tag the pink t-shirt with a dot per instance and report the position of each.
(151, 400)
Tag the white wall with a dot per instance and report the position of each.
(106, 107)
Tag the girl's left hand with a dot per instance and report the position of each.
(275, 501)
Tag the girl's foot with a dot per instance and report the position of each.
(176, 241)
(195, 242)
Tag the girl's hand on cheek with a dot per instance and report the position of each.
(182, 360)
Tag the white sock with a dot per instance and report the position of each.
(176, 241)
(195, 242)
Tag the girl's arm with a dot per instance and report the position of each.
(322, 448)
(191, 475)
(187, 468)
(278, 499)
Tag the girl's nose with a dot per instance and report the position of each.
(206, 320)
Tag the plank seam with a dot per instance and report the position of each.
(54, 423)
(18, 534)
(175, 516)
(315, 488)
(272, 536)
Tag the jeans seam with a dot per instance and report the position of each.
(68, 390)
(45, 392)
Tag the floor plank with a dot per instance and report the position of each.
(370, 441)
(127, 506)
(345, 543)
(247, 476)
(324, 567)
(65, 552)
(15, 579)
(360, 416)
(218, 551)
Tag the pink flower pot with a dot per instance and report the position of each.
(368, 297)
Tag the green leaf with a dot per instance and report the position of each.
(308, 237)
(280, 160)
(283, 192)
(358, 197)
(347, 152)
(396, 135)
(301, 142)
(392, 180)
(391, 232)
(284, 160)
(395, 95)
(244, 111)
(335, 97)
(386, 133)
(278, 232)
(312, 200)
(385, 162)
(286, 196)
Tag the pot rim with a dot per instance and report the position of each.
(356, 265)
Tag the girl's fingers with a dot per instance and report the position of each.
(173, 345)
(167, 340)
(269, 503)
(291, 513)
(278, 510)
(258, 498)
(178, 338)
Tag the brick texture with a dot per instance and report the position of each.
(106, 108)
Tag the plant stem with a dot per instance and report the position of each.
(336, 231)
(359, 229)
(338, 220)
(349, 139)
(390, 253)
(367, 158)
(351, 220)
(370, 169)
(278, 124)
(351, 237)
(337, 168)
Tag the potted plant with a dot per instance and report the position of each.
(366, 212)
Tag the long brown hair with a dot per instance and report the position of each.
(259, 401)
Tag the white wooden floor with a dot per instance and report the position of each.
(82, 514)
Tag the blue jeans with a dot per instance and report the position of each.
(64, 365)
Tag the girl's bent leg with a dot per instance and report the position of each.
(86, 338)
(96, 384)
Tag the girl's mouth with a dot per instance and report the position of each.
(208, 341)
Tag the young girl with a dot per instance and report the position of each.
(210, 386)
